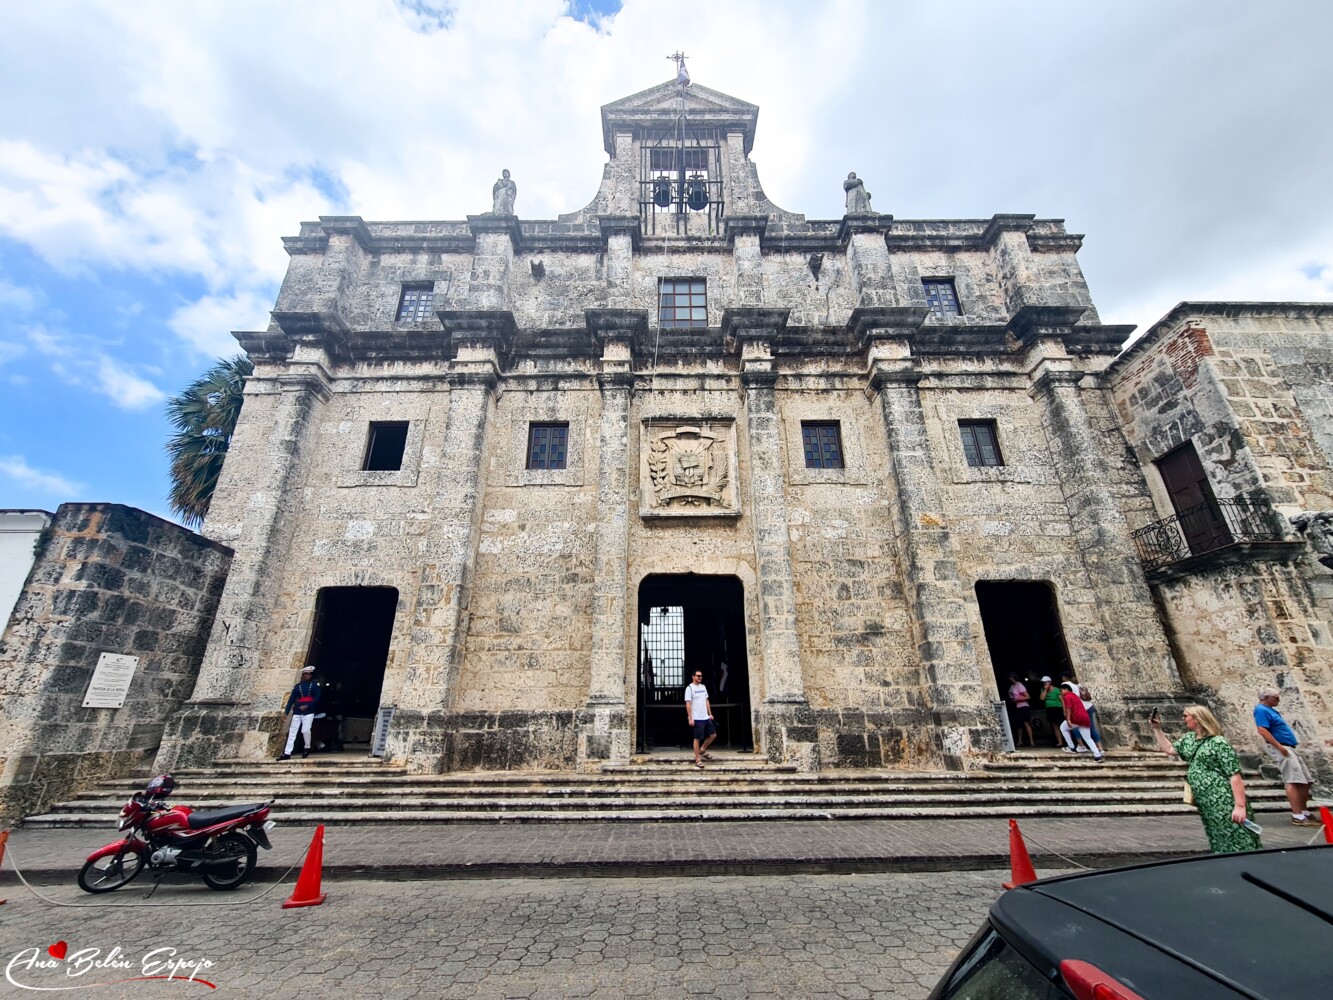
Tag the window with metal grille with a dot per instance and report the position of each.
(547, 445)
(823, 444)
(682, 304)
(416, 303)
(663, 639)
(980, 444)
(691, 158)
(942, 297)
(385, 446)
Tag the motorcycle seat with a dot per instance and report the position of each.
(199, 820)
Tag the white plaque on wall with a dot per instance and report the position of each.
(111, 681)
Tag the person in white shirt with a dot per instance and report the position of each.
(699, 714)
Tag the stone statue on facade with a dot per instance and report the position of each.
(858, 198)
(1317, 527)
(503, 195)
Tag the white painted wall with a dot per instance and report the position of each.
(18, 531)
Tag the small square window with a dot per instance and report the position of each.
(416, 302)
(822, 441)
(681, 304)
(385, 446)
(981, 446)
(942, 297)
(547, 446)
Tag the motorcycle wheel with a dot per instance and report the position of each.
(111, 872)
(232, 845)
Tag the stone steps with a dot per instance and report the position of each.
(345, 790)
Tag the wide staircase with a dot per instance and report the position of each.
(344, 789)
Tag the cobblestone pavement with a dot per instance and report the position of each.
(836, 936)
(728, 848)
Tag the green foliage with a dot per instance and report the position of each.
(204, 415)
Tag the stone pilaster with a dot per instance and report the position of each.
(1140, 662)
(745, 233)
(604, 724)
(868, 259)
(620, 234)
(497, 238)
(786, 720)
(223, 718)
(419, 732)
(959, 701)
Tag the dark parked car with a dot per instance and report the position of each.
(1229, 925)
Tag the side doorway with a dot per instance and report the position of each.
(349, 648)
(689, 622)
(1025, 638)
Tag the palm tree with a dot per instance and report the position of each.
(204, 415)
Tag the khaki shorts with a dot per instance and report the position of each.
(1291, 766)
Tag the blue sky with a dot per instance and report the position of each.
(152, 155)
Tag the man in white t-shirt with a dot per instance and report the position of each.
(699, 713)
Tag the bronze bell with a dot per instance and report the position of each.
(698, 194)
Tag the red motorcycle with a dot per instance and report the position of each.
(218, 846)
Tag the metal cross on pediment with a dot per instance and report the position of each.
(682, 74)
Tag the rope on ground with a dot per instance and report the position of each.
(1048, 850)
(212, 901)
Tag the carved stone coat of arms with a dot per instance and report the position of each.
(689, 468)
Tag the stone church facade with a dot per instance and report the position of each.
(512, 478)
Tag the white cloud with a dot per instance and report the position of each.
(9, 351)
(126, 389)
(18, 469)
(207, 324)
(1182, 138)
(17, 298)
(78, 362)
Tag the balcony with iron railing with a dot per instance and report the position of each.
(1235, 527)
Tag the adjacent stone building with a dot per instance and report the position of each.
(103, 581)
(1228, 407)
(512, 478)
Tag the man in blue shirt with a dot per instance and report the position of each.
(1280, 745)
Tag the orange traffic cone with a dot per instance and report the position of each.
(1325, 817)
(4, 836)
(1020, 865)
(307, 891)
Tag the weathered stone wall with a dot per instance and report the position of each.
(1250, 385)
(109, 579)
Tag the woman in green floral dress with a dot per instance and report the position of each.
(1214, 777)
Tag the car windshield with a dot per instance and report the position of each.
(994, 971)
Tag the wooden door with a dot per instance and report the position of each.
(1192, 497)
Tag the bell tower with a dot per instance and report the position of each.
(679, 156)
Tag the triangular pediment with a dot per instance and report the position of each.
(657, 107)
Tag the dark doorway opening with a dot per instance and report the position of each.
(688, 623)
(349, 647)
(1025, 638)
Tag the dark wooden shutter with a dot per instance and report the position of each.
(1193, 500)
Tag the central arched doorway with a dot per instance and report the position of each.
(691, 622)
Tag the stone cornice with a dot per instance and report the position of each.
(759, 378)
(507, 224)
(744, 225)
(1006, 224)
(353, 225)
(870, 322)
(1052, 379)
(753, 324)
(1031, 322)
(610, 225)
(853, 224)
(609, 324)
(491, 327)
(894, 378)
